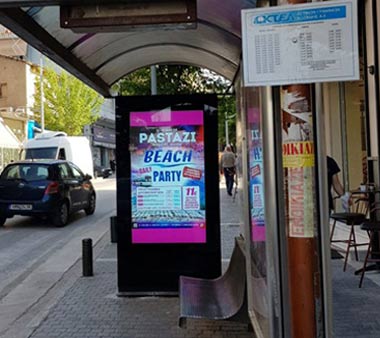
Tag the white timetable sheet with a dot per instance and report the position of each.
(314, 42)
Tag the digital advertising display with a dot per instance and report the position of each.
(168, 207)
(168, 202)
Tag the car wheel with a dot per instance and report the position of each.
(2, 221)
(61, 216)
(91, 205)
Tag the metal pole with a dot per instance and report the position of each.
(42, 93)
(226, 128)
(113, 229)
(275, 221)
(153, 80)
(324, 212)
(87, 257)
(300, 204)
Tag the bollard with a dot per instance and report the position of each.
(113, 229)
(87, 257)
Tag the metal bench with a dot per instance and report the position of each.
(223, 298)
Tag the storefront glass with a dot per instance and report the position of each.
(257, 269)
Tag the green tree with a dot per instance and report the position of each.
(226, 111)
(180, 79)
(171, 80)
(69, 104)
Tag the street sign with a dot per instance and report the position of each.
(314, 42)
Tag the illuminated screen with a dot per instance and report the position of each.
(167, 177)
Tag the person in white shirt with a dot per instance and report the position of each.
(227, 165)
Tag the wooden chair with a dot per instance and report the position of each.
(355, 216)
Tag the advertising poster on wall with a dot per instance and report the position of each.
(256, 176)
(167, 177)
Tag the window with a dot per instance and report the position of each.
(27, 172)
(10, 173)
(62, 154)
(3, 90)
(37, 173)
(35, 153)
(64, 171)
(76, 172)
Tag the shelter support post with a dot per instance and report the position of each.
(301, 217)
(300, 206)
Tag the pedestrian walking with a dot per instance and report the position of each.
(227, 167)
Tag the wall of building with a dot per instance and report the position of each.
(102, 135)
(356, 151)
(16, 97)
(13, 88)
(30, 88)
(332, 121)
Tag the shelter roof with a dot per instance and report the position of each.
(101, 58)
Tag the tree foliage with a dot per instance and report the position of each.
(182, 79)
(171, 80)
(227, 112)
(68, 103)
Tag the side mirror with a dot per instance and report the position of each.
(87, 177)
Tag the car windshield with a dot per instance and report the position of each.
(26, 172)
(40, 153)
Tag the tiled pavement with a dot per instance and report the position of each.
(354, 310)
(91, 309)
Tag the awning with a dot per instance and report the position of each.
(102, 58)
(7, 138)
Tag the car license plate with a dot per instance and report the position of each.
(21, 207)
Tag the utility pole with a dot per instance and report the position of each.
(42, 93)
(226, 128)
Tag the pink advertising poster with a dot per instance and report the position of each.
(167, 177)
(256, 180)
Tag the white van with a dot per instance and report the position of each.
(57, 145)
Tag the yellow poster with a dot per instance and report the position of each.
(298, 154)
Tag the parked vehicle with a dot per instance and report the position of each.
(48, 188)
(100, 171)
(57, 145)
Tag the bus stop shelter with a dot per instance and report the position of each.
(101, 43)
(202, 33)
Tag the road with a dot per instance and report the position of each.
(36, 258)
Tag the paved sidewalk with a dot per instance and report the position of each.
(91, 309)
(354, 310)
